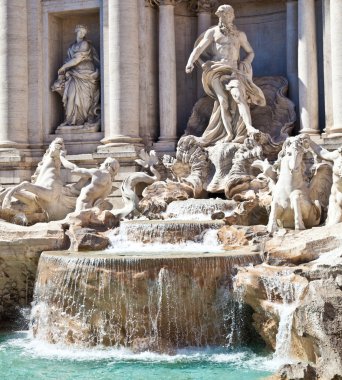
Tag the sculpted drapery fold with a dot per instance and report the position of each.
(79, 83)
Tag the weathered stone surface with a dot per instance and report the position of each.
(310, 285)
(236, 236)
(86, 239)
(157, 196)
(299, 247)
(247, 212)
(20, 249)
(298, 371)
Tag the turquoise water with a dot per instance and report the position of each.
(23, 358)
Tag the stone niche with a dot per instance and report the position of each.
(264, 22)
(59, 34)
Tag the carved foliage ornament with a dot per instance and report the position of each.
(194, 5)
(206, 5)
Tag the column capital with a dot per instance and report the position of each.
(161, 2)
(206, 6)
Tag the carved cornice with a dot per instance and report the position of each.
(206, 6)
(161, 2)
(191, 4)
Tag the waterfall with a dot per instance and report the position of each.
(111, 300)
(198, 209)
(283, 287)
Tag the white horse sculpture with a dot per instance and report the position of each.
(46, 192)
(298, 198)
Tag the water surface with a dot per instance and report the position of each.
(22, 357)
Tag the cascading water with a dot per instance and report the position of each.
(157, 302)
(285, 294)
(198, 209)
(163, 232)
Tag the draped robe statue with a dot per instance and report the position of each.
(227, 79)
(79, 84)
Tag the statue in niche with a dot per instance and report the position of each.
(227, 79)
(78, 83)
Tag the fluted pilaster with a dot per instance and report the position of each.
(307, 67)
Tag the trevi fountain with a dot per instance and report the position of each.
(169, 205)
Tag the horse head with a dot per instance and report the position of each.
(295, 147)
(55, 148)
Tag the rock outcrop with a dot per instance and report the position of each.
(297, 300)
(20, 249)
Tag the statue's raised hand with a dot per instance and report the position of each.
(189, 68)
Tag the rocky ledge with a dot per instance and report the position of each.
(20, 249)
(296, 295)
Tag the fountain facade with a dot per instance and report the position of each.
(167, 281)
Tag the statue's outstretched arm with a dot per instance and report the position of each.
(199, 49)
(323, 153)
(67, 164)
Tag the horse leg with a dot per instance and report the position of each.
(296, 200)
(272, 221)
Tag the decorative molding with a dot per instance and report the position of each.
(205, 6)
(161, 2)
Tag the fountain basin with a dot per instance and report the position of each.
(157, 302)
(166, 231)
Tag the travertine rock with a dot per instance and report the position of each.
(20, 249)
(86, 239)
(237, 236)
(298, 371)
(157, 196)
(311, 291)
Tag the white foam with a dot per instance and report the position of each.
(208, 243)
(37, 349)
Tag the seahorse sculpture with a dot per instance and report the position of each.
(299, 199)
(129, 196)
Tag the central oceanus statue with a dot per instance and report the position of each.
(300, 191)
(227, 79)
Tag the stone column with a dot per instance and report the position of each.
(336, 64)
(292, 49)
(149, 105)
(13, 74)
(327, 66)
(167, 77)
(307, 67)
(204, 9)
(122, 124)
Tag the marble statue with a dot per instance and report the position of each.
(46, 192)
(79, 85)
(147, 161)
(298, 197)
(335, 199)
(227, 79)
(98, 184)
